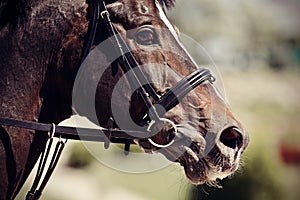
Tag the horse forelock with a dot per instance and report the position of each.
(168, 3)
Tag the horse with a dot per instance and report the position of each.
(42, 44)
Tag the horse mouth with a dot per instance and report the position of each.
(203, 162)
(200, 168)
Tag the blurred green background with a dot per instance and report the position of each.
(256, 47)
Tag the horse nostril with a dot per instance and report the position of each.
(232, 137)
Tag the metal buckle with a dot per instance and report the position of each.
(105, 12)
(211, 79)
(162, 145)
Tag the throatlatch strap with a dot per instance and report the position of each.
(93, 19)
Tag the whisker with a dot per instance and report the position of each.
(214, 183)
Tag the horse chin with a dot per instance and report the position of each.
(203, 170)
(200, 167)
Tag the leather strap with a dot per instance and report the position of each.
(78, 133)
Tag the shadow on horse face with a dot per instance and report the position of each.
(208, 140)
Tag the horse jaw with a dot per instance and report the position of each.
(208, 145)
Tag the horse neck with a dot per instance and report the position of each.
(57, 86)
(31, 52)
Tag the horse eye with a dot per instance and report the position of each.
(145, 36)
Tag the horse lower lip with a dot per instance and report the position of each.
(195, 171)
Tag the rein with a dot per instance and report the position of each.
(98, 12)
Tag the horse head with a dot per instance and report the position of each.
(207, 140)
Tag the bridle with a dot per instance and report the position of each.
(99, 12)
(137, 77)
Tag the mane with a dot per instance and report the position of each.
(13, 11)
